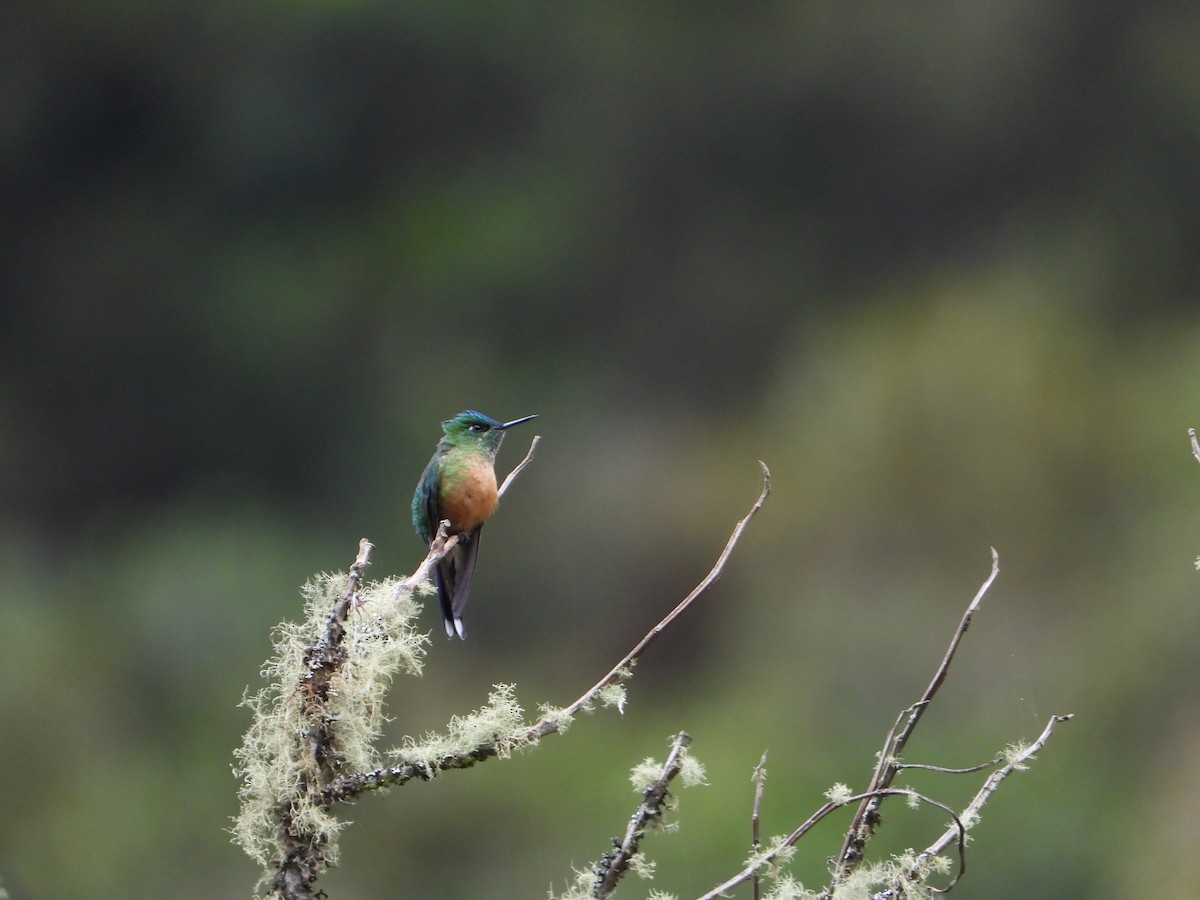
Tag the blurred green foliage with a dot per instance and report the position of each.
(935, 263)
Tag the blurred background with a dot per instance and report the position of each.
(934, 263)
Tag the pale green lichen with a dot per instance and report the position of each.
(691, 770)
(558, 715)
(645, 774)
(494, 724)
(1017, 755)
(613, 695)
(839, 793)
(905, 872)
(785, 887)
(771, 858)
(641, 866)
(580, 889)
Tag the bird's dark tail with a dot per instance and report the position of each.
(453, 576)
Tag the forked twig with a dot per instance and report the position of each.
(866, 818)
(765, 858)
(1016, 763)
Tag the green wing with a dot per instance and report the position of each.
(426, 509)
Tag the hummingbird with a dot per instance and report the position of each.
(459, 485)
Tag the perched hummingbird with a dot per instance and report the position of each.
(459, 484)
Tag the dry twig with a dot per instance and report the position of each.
(1016, 763)
(512, 476)
(866, 818)
(549, 724)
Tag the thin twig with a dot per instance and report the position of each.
(438, 547)
(945, 770)
(1018, 762)
(512, 476)
(866, 818)
(549, 724)
(614, 865)
(760, 775)
(335, 625)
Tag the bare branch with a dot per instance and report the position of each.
(866, 818)
(760, 775)
(614, 865)
(946, 770)
(1195, 443)
(549, 724)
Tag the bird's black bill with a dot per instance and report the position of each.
(517, 421)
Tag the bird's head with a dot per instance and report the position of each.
(473, 429)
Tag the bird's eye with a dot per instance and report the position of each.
(478, 426)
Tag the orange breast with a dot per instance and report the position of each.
(468, 497)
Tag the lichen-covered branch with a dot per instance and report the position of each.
(317, 720)
(313, 745)
(318, 717)
(907, 874)
(612, 866)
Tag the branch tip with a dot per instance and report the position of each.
(512, 476)
(548, 724)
